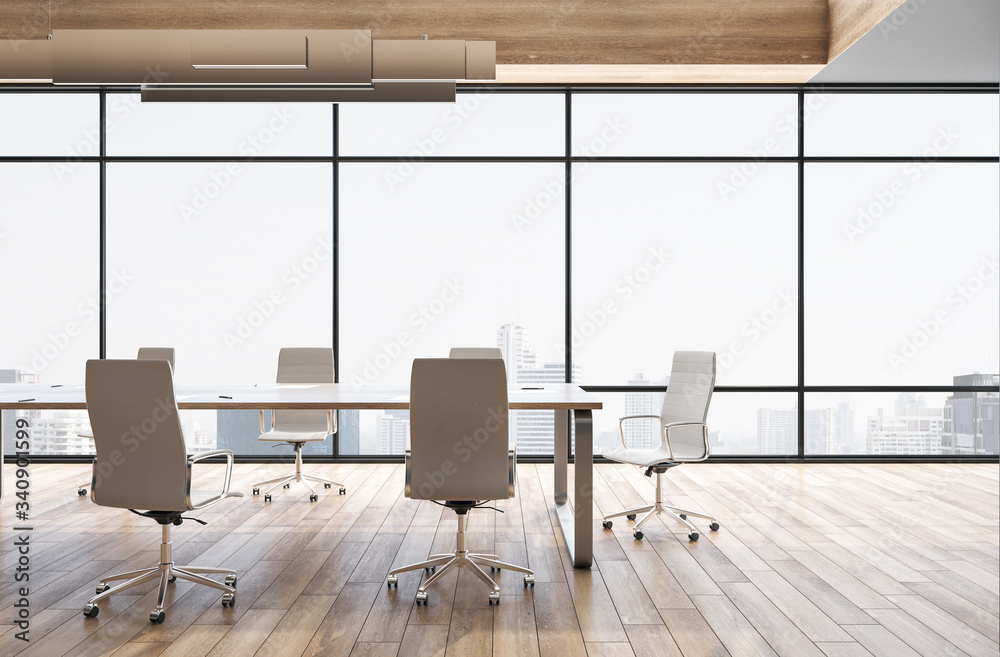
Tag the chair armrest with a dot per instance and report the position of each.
(704, 433)
(260, 415)
(331, 422)
(194, 458)
(511, 471)
(406, 468)
(621, 422)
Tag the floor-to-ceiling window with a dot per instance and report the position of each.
(836, 248)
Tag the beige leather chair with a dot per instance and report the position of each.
(683, 436)
(142, 465)
(145, 353)
(296, 428)
(459, 455)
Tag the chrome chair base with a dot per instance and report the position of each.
(299, 477)
(461, 558)
(166, 572)
(650, 510)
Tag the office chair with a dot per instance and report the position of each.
(142, 465)
(475, 352)
(683, 436)
(459, 453)
(145, 353)
(296, 428)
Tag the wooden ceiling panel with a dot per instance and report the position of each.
(560, 32)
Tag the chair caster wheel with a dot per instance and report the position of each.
(102, 587)
(256, 491)
(494, 599)
(81, 492)
(392, 581)
(608, 524)
(714, 526)
(421, 598)
(231, 580)
(229, 600)
(267, 497)
(172, 580)
(529, 580)
(343, 491)
(493, 569)
(684, 516)
(287, 486)
(91, 611)
(637, 534)
(630, 516)
(430, 570)
(693, 536)
(156, 616)
(314, 497)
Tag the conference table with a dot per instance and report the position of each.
(567, 402)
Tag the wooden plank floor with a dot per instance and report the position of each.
(839, 560)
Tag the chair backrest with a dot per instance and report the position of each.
(141, 460)
(158, 353)
(689, 392)
(458, 429)
(475, 352)
(303, 365)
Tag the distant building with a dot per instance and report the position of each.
(821, 431)
(197, 440)
(533, 431)
(393, 431)
(52, 432)
(777, 430)
(914, 428)
(57, 433)
(845, 429)
(349, 432)
(642, 434)
(237, 431)
(972, 418)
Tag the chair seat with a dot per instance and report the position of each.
(648, 457)
(284, 436)
(641, 457)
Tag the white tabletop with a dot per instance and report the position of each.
(553, 396)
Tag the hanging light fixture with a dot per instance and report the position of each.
(253, 65)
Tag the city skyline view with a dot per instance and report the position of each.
(875, 424)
